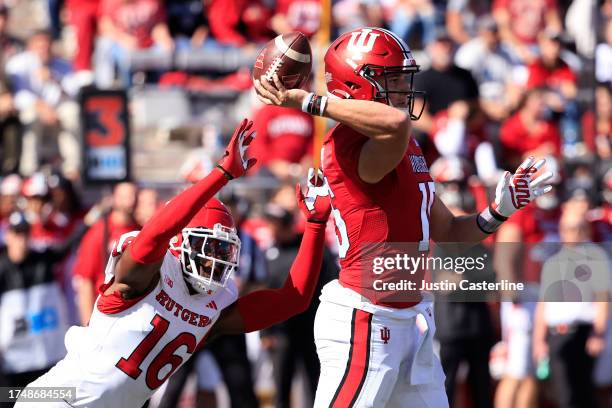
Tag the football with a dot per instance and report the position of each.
(289, 56)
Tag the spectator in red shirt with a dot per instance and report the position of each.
(520, 21)
(297, 15)
(528, 133)
(284, 139)
(132, 29)
(550, 70)
(97, 243)
(227, 16)
(555, 76)
(84, 19)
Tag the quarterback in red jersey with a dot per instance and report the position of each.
(375, 349)
(168, 288)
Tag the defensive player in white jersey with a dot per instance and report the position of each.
(160, 302)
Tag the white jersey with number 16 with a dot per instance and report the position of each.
(130, 348)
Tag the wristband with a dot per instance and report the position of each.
(306, 102)
(314, 221)
(314, 104)
(225, 172)
(489, 220)
(323, 105)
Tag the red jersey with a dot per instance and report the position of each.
(394, 210)
(282, 134)
(228, 17)
(301, 15)
(553, 78)
(517, 140)
(137, 18)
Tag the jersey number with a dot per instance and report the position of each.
(131, 365)
(427, 197)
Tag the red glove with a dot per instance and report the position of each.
(234, 162)
(316, 206)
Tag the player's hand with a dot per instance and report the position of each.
(316, 205)
(276, 94)
(515, 191)
(235, 162)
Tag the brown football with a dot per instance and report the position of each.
(289, 56)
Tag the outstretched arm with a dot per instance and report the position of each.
(514, 192)
(141, 260)
(388, 128)
(264, 308)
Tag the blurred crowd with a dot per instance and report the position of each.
(504, 79)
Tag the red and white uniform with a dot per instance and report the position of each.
(394, 210)
(131, 347)
(376, 350)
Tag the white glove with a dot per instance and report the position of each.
(316, 205)
(515, 191)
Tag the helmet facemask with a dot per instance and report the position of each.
(208, 257)
(386, 80)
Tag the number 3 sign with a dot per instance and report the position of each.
(105, 136)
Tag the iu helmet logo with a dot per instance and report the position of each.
(361, 42)
(385, 334)
(358, 62)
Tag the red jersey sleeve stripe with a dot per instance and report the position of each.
(358, 362)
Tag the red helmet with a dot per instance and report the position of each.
(208, 247)
(359, 64)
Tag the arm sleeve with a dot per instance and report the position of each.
(264, 308)
(151, 244)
